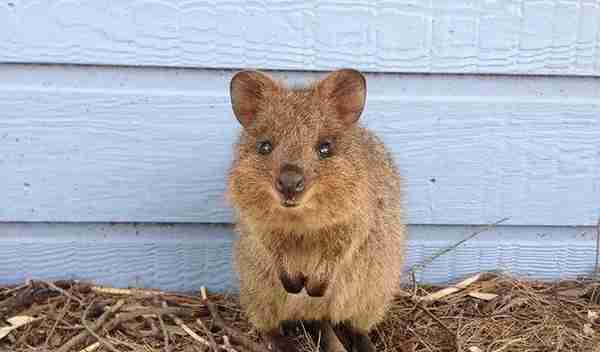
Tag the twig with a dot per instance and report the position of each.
(58, 289)
(483, 296)
(450, 290)
(187, 312)
(234, 333)
(154, 330)
(164, 331)
(227, 345)
(419, 338)
(132, 346)
(146, 312)
(91, 348)
(79, 338)
(59, 318)
(457, 335)
(429, 260)
(120, 319)
(189, 331)
(168, 296)
(510, 342)
(126, 291)
(413, 278)
(18, 302)
(15, 289)
(211, 339)
(15, 323)
(441, 323)
(102, 341)
(515, 302)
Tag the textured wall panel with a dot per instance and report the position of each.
(153, 145)
(502, 36)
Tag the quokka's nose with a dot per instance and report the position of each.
(290, 182)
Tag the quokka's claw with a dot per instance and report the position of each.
(292, 283)
(316, 288)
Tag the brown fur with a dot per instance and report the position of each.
(344, 241)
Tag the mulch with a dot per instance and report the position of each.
(483, 313)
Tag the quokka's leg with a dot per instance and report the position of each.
(331, 342)
(353, 339)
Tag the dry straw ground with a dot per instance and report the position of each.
(486, 312)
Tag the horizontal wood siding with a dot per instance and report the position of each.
(184, 257)
(153, 145)
(502, 36)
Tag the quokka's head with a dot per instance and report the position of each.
(300, 156)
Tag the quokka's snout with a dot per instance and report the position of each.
(290, 183)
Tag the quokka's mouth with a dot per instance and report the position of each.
(288, 203)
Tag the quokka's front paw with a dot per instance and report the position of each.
(316, 288)
(292, 283)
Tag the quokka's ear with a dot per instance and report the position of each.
(247, 89)
(346, 91)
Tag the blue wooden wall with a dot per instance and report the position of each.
(118, 112)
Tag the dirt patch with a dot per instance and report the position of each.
(487, 312)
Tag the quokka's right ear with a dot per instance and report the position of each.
(247, 90)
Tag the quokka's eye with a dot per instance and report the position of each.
(264, 148)
(325, 149)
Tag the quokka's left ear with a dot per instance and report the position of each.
(346, 90)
